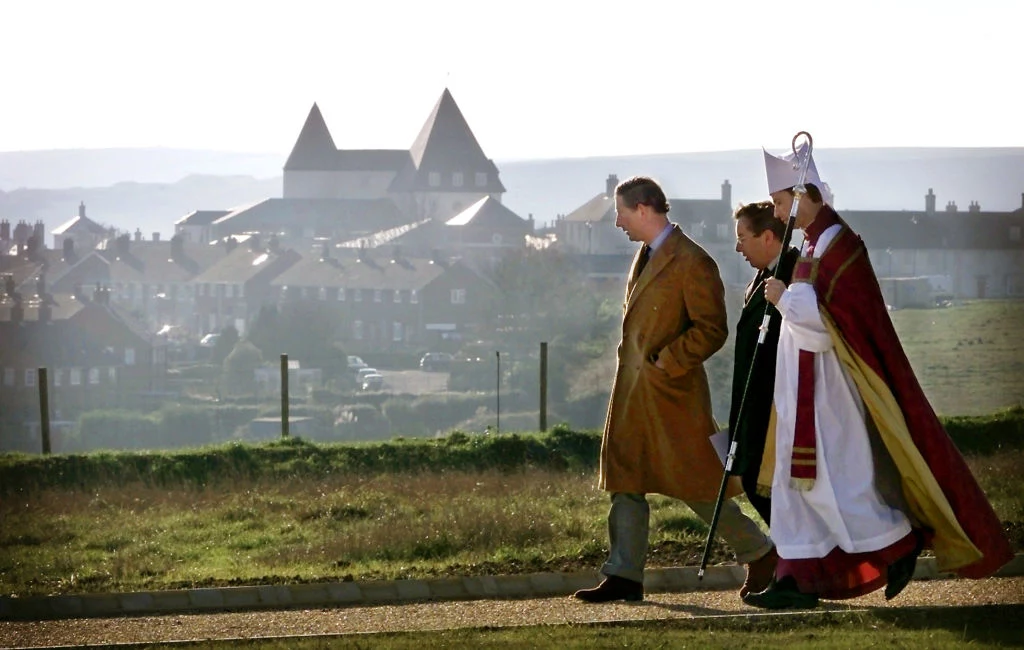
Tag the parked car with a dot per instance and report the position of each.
(436, 362)
(365, 371)
(354, 363)
(372, 381)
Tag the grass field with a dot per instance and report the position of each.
(384, 526)
(968, 358)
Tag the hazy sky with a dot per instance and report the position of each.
(534, 79)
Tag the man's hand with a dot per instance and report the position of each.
(773, 290)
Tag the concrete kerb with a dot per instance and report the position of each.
(381, 592)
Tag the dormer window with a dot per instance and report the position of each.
(434, 179)
(457, 179)
(481, 179)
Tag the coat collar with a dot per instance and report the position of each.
(660, 259)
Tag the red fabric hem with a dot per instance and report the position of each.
(841, 575)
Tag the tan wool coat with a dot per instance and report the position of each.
(658, 423)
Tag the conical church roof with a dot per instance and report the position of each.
(314, 150)
(446, 145)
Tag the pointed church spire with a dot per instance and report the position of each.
(446, 135)
(315, 147)
(446, 145)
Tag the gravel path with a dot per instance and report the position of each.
(467, 613)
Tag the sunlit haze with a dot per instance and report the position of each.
(534, 79)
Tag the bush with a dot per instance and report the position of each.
(115, 429)
(184, 426)
(360, 422)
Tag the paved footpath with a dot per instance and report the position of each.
(432, 605)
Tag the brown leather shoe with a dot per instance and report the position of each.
(760, 573)
(613, 588)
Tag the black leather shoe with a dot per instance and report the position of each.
(782, 594)
(901, 572)
(613, 588)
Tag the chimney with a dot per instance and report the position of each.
(951, 206)
(727, 193)
(81, 209)
(40, 233)
(123, 244)
(230, 243)
(9, 286)
(5, 227)
(156, 236)
(21, 233)
(254, 243)
(929, 202)
(610, 184)
(974, 207)
(138, 234)
(177, 247)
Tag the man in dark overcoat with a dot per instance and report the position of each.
(759, 238)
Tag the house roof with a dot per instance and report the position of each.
(682, 211)
(346, 217)
(150, 262)
(242, 264)
(62, 306)
(388, 235)
(372, 271)
(488, 213)
(907, 229)
(78, 333)
(80, 223)
(600, 208)
(201, 217)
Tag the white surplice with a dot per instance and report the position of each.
(844, 508)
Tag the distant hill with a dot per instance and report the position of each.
(64, 168)
(151, 188)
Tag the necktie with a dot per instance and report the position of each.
(645, 255)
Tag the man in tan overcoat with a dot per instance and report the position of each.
(656, 436)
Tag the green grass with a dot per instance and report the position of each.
(324, 525)
(968, 358)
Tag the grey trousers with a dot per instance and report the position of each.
(629, 521)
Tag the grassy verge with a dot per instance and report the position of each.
(294, 512)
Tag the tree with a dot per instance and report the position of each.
(225, 344)
(240, 368)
